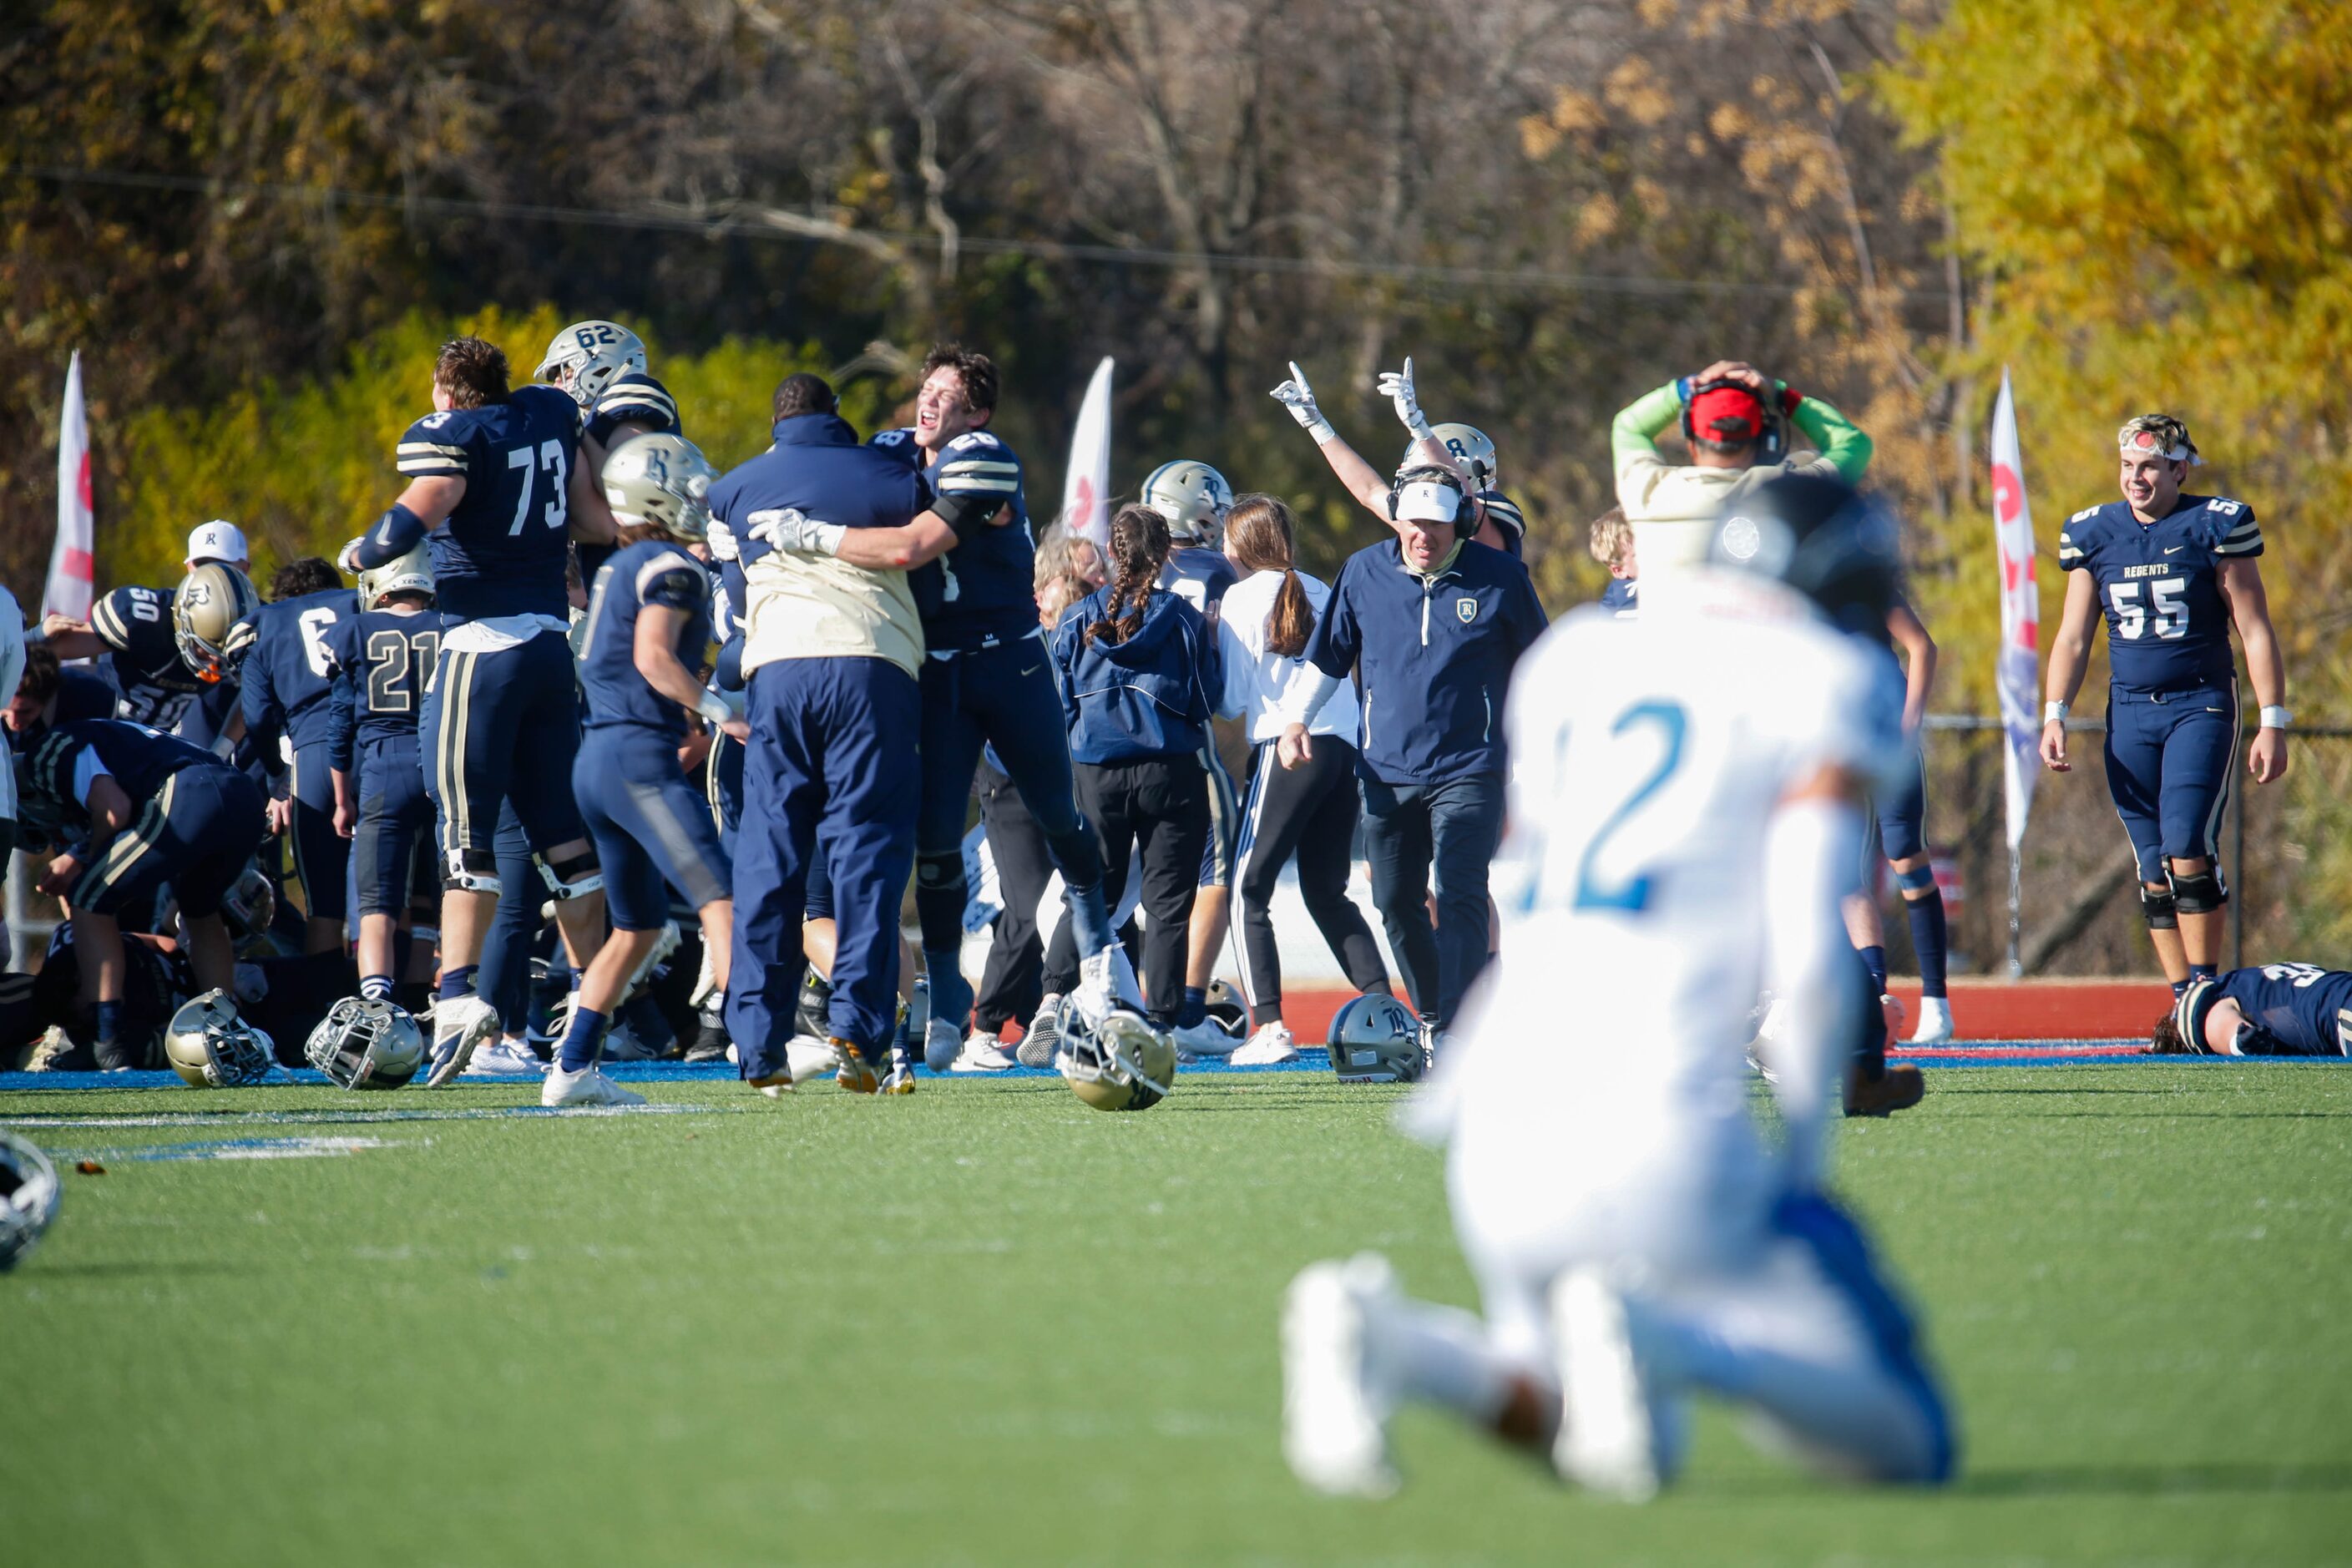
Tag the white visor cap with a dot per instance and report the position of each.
(1425, 500)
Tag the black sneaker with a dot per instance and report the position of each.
(709, 1042)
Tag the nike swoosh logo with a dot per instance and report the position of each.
(1030, 670)
(2175, 549)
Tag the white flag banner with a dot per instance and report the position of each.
(1086, 491)
(72, 570)
(2018, 672)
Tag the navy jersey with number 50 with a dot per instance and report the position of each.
(155, 683)
(654, 572)
(2305, 1009)
(382, 660)
(2160, 586)
(983, 590)
(502, 551)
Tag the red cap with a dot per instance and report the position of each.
(1728, 414)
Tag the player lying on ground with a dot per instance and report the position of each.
(2276, 1010)
(1686, 815)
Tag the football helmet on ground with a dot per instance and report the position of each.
(212, 1047)
(660, 481)
(29, 1197)
(1376, 1039)
(1192, 496)
(205, 610)
(594, 353)
(1122, 1064)
(411, 574)
(363, 1044)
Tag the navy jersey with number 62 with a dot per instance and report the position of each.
(2307, 1009)
(502, 551)
(382, 660)
(2160, 586)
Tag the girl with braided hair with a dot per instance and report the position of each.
(1140, 678)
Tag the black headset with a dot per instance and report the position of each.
(1466, 519)
(1771, 446)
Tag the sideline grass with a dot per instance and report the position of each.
(986, 1325)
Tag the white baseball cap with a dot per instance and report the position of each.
(1425, 500)
(217, 541)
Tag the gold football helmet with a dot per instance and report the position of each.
(361, 1043)
(205, 612)
(1120, 1064)
(212, 1047)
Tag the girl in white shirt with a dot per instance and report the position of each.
(1310, 811)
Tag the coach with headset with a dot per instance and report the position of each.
(1430, 623)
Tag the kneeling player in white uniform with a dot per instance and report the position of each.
(1685, 816)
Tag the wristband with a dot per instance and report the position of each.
(1320, 428)
(2276, 717)
(715, 707)
(2054, 713)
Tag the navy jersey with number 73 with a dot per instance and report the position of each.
(502, 551)
(2160, 586)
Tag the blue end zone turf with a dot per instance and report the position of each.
(1311, 1059)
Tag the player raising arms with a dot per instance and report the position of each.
(648, 616)
(1686, 813)
(2172, 574)
(986, 680)
(498, 483)
(1461, 448)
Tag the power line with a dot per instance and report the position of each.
(728, 226)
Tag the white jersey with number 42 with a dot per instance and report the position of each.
(1648, 757)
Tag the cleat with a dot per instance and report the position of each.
(811, 1057)
(503, 1058)
(815, 1003)
(460, 1025)
(942, 1044)
(1335, 1399)
(983, 1054)
(1902, 1087)
(1042, 1041)
(776, 1085)
(855, 1073)
(1610, 1436)
(1272, 1045)
(587, 1087)
(710, 1044)
(1935, 1021)
(900, 1078)
(1206, 1039)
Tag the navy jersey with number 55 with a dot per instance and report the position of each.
(2305, 1009)
(2160, 586)
(502, 551)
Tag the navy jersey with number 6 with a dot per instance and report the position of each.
(290, 672)
(2305, 1009)
(654, 572)
(984, 591)
(155, 683)
(382, 660)
(502, 551)
(2160, 586)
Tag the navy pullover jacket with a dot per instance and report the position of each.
(1433, 658)
(1150, 696)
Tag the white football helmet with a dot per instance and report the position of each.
(411, 574)
(1376, 1039)
(205, 609)
(595, 353)
(361, 1043)
(1122, 1064)
(211, 1048)
(1468, 445)
(1192, 496)
(662, 481)
(30, 1195)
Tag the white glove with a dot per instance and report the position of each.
(1299, 398)
(790, 528)
(348, 562)
(722, 540)
(720, 706)
(1397, 387)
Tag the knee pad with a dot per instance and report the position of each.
(1921, 880)
(2157, 908)
(939, 872)
(472, 871)
(2198, 892)
(573, 877)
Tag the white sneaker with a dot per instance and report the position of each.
(1608, 1442)
(1206, 1039)
(982, 1053)
(1042, 1041)
(1272, 1045)
(942, 1043)
(1935, 1021)
(586, 1087)
(1106, 982)
(460, 1025)
(503, 1058)
(1335, 1399)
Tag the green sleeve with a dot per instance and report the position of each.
(1634, 431)
(1839, 440)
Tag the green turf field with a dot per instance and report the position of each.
(987, 1325)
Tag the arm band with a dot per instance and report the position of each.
(396, 533)
(2054, 713)
(965, 515)
(2276, 717)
